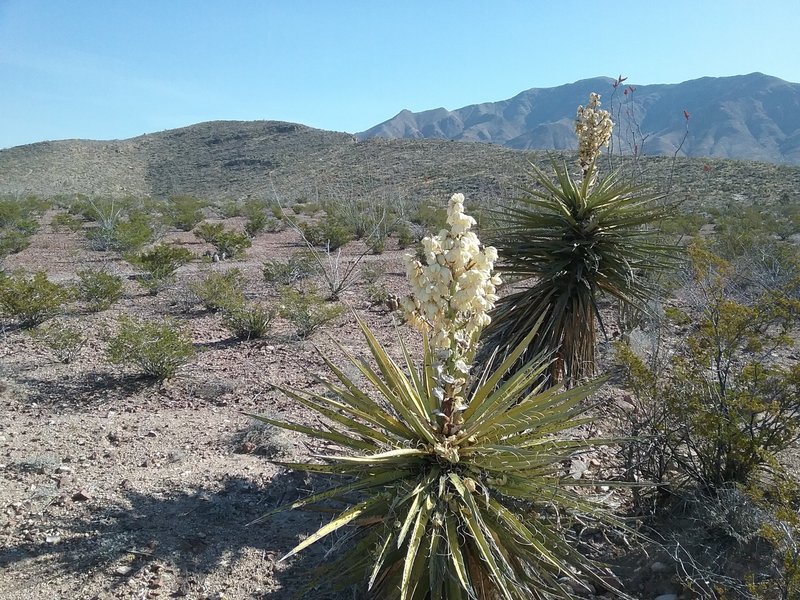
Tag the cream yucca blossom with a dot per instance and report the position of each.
(451, 296)
(593, 127)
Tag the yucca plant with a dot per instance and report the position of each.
(454, 495)
(575, 238)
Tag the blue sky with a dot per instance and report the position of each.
(111, 69)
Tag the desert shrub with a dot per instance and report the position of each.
(31, 300)
(13, 241)
(575, 239)
(228, 243)
(328, 233)
(230, 208)
(17, 224)
(65, 221)
(219, 291)
(159, 264)
(64, 341)
(119, 224)
(99, 289)
(377, 293)
(405, 237)
(725, 408)
(132, 233)
(260, 217)
(307, 310)
(183, 212)
(208, 232)
(431, 218)
(157, 348)
(372, 272)
(306, 208)
(248, 320)
(454, 494)
(19, 215)
(299, 266)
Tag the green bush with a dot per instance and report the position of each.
(248, 321)
(65, 221)
(307, 310)
(13, 241)
(372, 272)
(99, 289)
(227, 243)
(64, 341)
(328, 233)
(19, 216)
(405, 237)
(31, 300)
(725, 407)
(183, 212)
(220, 291)
(158, 347)
(300, 265)
(260, 217)
(160, 264)
(133, 233)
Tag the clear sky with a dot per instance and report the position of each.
(108, 69)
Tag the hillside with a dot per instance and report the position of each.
(268, 159)
(753, 117)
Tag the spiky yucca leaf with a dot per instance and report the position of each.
(462, 517)
(576, 241)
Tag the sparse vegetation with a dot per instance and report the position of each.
(159, 264)
(307, 310)
(226, 242)
(31, 300)
(157, 348)
(64, 341)
(248, 320)
(220, 291)
(300, 265)
(99, 289)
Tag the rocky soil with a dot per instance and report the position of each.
(115, 487)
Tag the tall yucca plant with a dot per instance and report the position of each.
(576, 239)
(481, 514)
(456, 493)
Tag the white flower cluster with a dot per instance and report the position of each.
(453, 291)
(593, 126)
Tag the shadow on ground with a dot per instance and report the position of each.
(83, 390)
(191, 543)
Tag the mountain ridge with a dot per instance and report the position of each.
(749, 117)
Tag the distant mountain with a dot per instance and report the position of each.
(752, 117)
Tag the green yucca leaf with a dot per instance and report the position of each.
(337, 523)
(577, 241)
(331, 436)
(458, 518)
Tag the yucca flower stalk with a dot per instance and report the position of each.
(575, 239)
(455, 489)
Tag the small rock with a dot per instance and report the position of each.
(52, 539)
(64, 470)
(123, 570)
(152, 433)
(81, 496)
